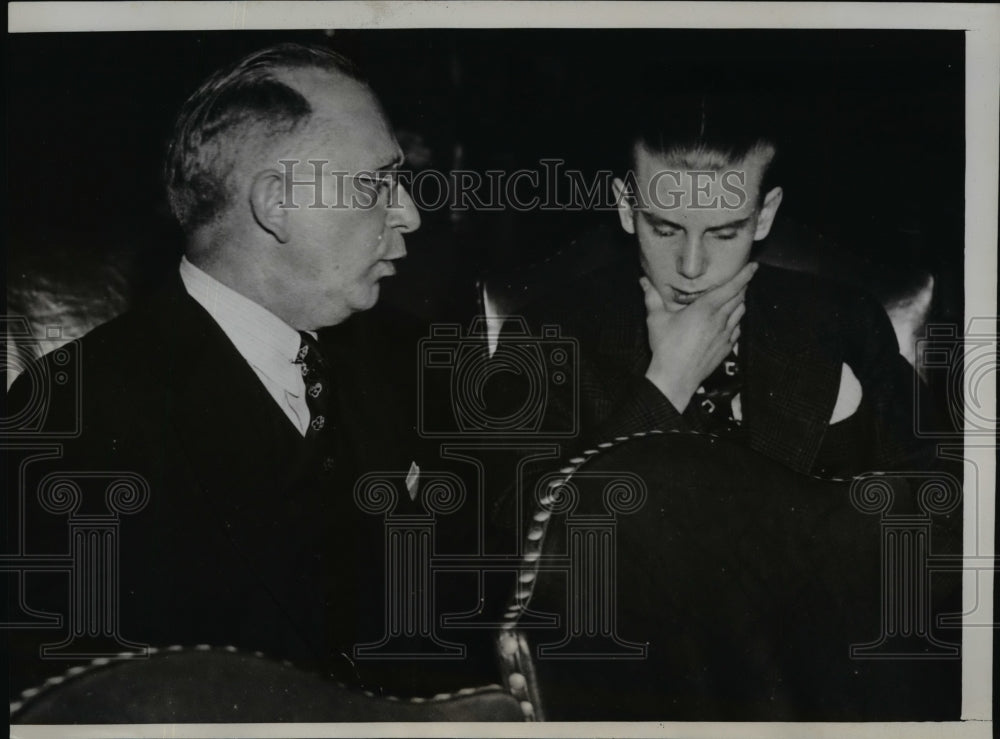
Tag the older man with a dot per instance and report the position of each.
(240, 391)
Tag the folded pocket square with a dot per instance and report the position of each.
(848, 396)
(413, 480)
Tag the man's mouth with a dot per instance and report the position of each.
(686, 298)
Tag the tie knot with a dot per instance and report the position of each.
(309, 355)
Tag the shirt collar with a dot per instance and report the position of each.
(265, 341)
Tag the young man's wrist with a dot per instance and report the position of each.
(678, 397)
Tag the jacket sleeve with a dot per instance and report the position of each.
(892, 387)
(642, 407)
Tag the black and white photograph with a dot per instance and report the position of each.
(503, 367)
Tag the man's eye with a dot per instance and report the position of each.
(725, 235)
(379, 180)
(666, 232)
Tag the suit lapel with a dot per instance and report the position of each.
(790, 381)
(790, 384)
(242, 450)
(222, 413)
(375, 403)
(622, 327)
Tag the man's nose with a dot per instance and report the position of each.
(403, 214)
(691, 260)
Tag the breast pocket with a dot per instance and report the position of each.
(848, 395)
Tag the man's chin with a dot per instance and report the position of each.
(370, 298)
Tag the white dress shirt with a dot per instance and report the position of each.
(268, 344)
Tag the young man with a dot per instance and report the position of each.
(694, 334)
(735, 582)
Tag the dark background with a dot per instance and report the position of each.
(873, 140)
(873, 135)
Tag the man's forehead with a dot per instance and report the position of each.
(345, 112)
(649, 164)
(329, 92)
(703, 181)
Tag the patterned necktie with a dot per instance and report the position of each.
(319, 399)
(714, 399)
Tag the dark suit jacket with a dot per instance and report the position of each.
(727, 641)
(241, 542)
(797, 333)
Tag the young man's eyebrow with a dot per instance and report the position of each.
(740, 223)
(655, 220)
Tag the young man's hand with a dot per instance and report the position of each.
(690, 343)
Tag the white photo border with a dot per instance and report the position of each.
(981, 22)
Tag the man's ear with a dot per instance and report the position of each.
(767, 213)
(623, 201)
(267, 200)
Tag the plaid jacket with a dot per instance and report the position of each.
(797, 333)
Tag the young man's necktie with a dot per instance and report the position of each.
(714, 399)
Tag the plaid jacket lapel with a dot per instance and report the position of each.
(790, 384)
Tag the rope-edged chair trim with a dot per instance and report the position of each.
(535, 538)
(519, 672)
(512, 646)
(438, 697)
(515, 654)
(95, 664)
(100, 663)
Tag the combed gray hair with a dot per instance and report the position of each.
(243, 100)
